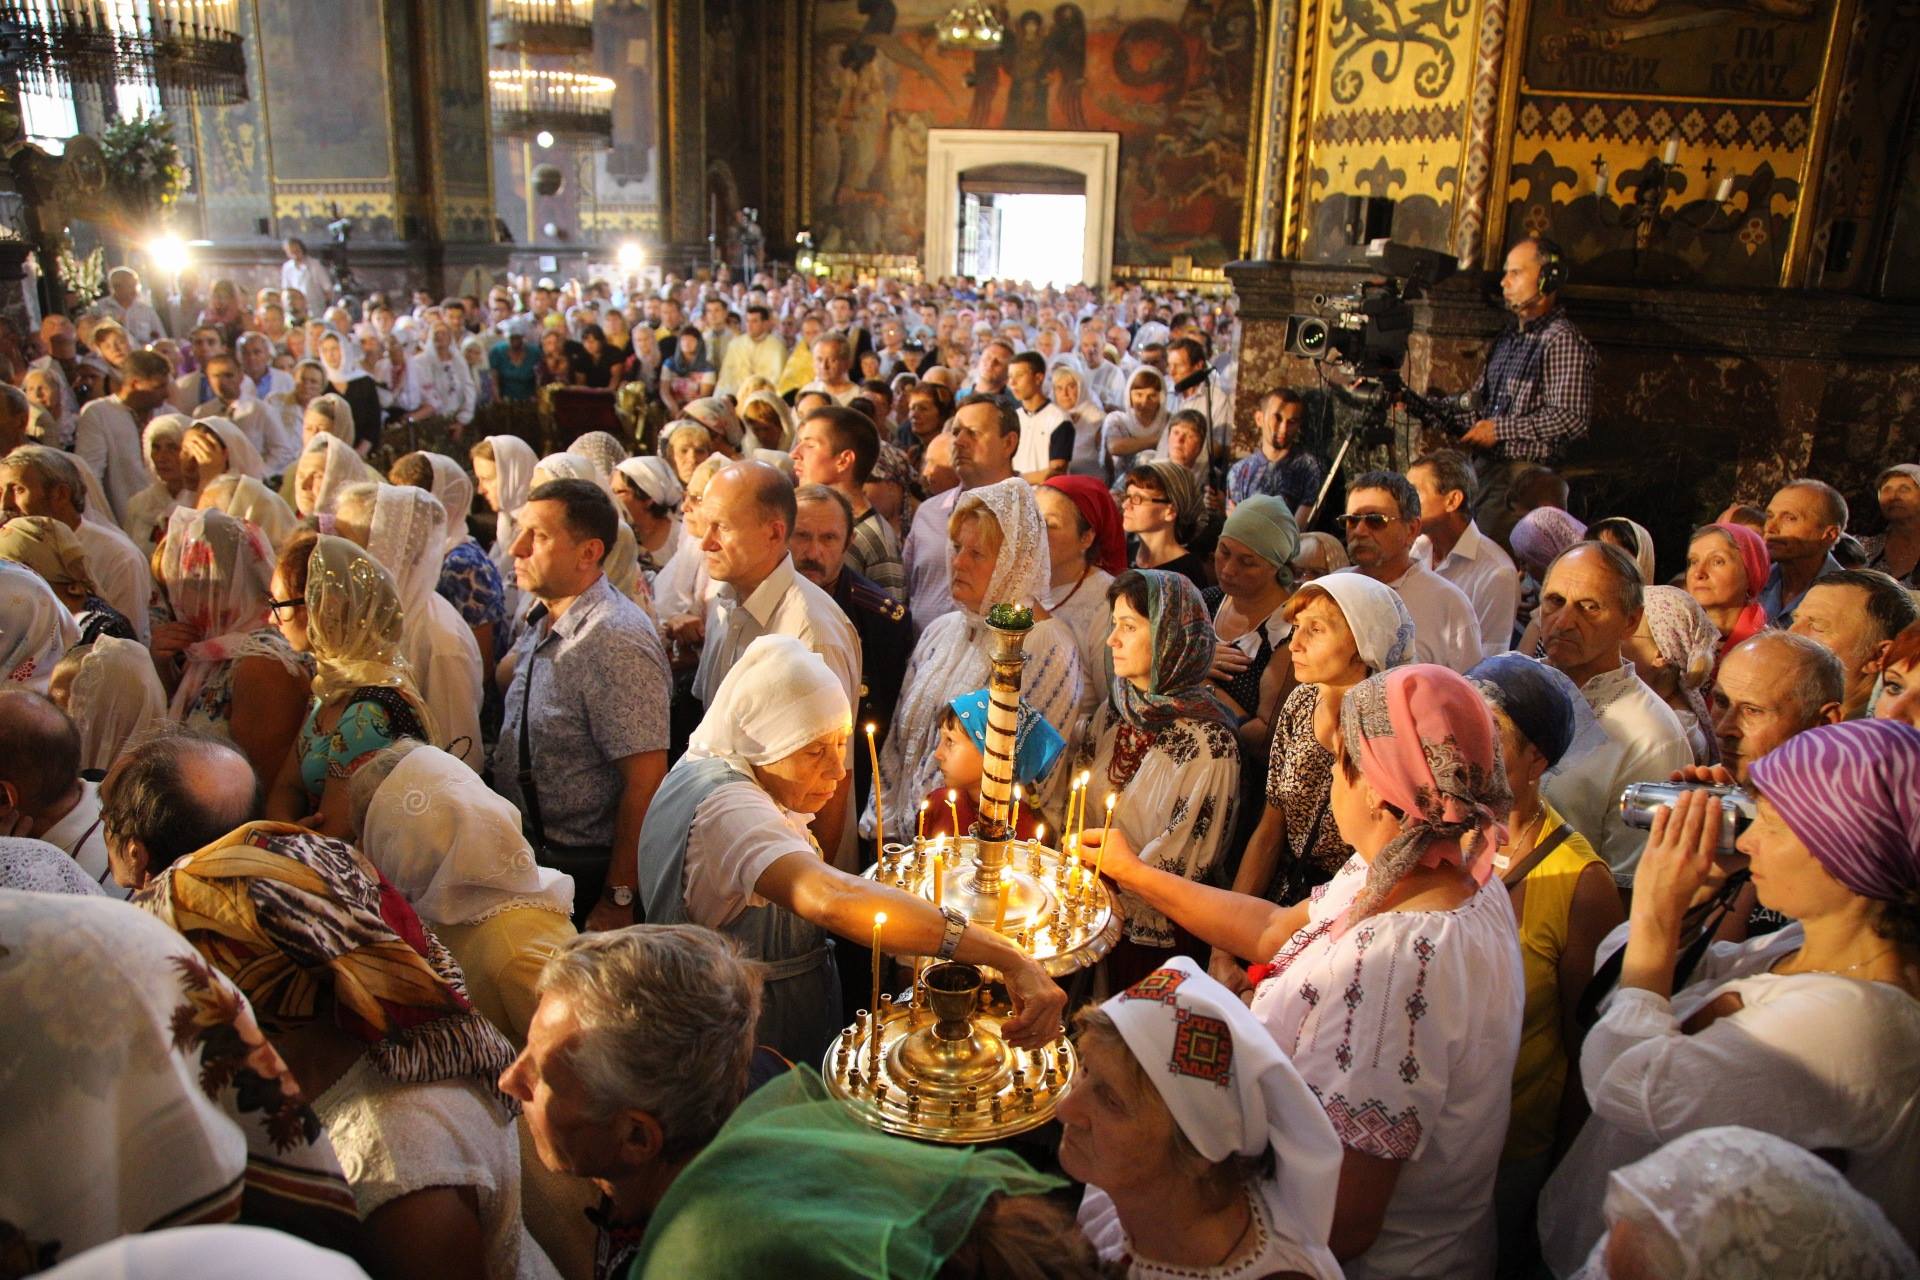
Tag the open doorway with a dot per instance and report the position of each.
(1015, 220)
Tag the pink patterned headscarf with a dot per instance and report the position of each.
(1851, 792)
(1752, 550)
(1426, 743)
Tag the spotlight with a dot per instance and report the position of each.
(629, 256)
(543, 139)
(168, 254)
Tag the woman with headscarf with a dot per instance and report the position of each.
(1674, 651)
(726, 844)
(50, 548)
(686, 374)
(112, 697)
(1565, 902)
(1397, 991)
(328, 467)
(683, 589)
(327, 414)
(1161, 512)
(455, 849)
(649, 495)
(622, 564)
(1083, 412)
(215, 447)
(245, 498)
(1086, 550)
(686, 444)
(503, 475)
(1253, 565)
(221, 651)
(1131, 431)
(340, 356)
(999, 553)
(142, 1094)
(1201, 1165)
(1811, 1033)
(370, 1011)
(1537, 540)
(892, 488)
(468, 581)
(717, 415)
(36, 628)
(145, 517)
(1732, 1202)
(309, 384)
(1630, 537)
(473, 353)
(333, 602)
(768, 419)
(1161, 752)
(1727, 568)
(405, 530)
(602, 449)
(34, 866)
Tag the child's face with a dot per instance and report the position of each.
(958, 758)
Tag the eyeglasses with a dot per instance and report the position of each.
(1141, 500)
(1371, 519)
(283, 609)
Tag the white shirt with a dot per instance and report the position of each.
(446, 669)
(138, 318)
(1645, 743)
(747, 356)
(310, 277)
(263, 425)
(738, 832)
(1036, 436)
(190, 391)
(926, 556)
(783, 604)
(1445, 628)
(1480, 568)
(107, 439)
(83, 837)
(1106, 385)
(1086, 613)
(273, 382)
(121, 574)
(69, 402)
(445, 386)
(1214, 402)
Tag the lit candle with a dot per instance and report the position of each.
(879, 810)
(953, 811)
(1724, 192)
(1000, 914)
(1106, 832)
(879, 919)
(1671, 152)
(1066, 831)
(920, 832)
(1014, 826)
(1039, 836)
(939, 874)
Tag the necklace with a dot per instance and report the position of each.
(1858, 964)
(1077, 583)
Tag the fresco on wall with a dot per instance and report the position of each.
(459, 34)
(624, 188)
(1175, 81)
(1608, 83)
(326, 89)
(230, 142)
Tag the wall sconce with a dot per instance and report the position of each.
(1647, 212)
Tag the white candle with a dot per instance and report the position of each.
(1600, 181)
(1671, 153)
(1724, 191)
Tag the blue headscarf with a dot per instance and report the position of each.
(1037, 744)
(1539, 699)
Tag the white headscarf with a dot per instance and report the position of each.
(600, 448)
(116, 693)
(34, 866)
(149, 508)
(405, 536)
(246, 498)
(655, 478)
(339, 375)
(35, 628)
(780, 407)
(217, 571)
(569, 466)
(343, 469)
(229, 1252)
(242, 457)
(1382, 628)
(1234, 1093)
(339, 415)
(777, 698)
(513, 461)
(453, 846)
(454, 487)
(1644, 556)
(1729, 1203)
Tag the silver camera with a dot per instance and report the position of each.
(1639, 802)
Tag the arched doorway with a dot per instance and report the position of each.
(967, 164)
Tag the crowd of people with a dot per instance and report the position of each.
(383, 899)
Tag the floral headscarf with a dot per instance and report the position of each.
(217, 572)
(1687, 640)
(35, 628)
(1183, 647)
(354, 626)
(1424, 739)
(49, 548)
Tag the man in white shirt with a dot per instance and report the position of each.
(1105, 381)
(1039, 419)
(757, 352)
(124, 304)
(259, 379)
(1382, 521)
(439, 383)
(832, 357)
(1590, 604)
(1452, 545)
(308, 275)
(62, 362)
(714, 331)
(106, 437)
(42, 795)
(38, 481)
(263, 424)
(191, 390)
(984, 435)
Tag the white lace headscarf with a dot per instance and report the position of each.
(1730, 1203)
(338, 412)
(408, 530)
(513, 461)
(242, 457)
(603, 450)
(454, 487)
(34, 866)
(35, 628)
(340, 470)
(348, 367)
(216, 571)
(453, 846)
(570, 466)
(951, 657)
(248, 499)
(116, 694)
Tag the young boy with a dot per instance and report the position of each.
(963, 740)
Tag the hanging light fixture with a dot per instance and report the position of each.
(188, 50)
(559, 27)
(576, 106)
(973, 28)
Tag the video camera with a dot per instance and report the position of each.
(1641, 800)
(1364, 331)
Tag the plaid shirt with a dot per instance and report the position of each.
(1295, 478)
(1537, 387)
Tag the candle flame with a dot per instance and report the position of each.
(879, 918)
(952, 796)
(869, 727)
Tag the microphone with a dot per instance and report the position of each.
(1194, 379)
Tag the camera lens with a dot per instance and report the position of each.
(1313, 336)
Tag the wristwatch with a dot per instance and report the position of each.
(621, 894)
(956, 925)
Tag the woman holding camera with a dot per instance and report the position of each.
(1811, 1033)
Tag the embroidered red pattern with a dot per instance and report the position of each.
(1158, 985)
(1371, 1129)
(1202, 1047)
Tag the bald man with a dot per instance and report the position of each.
(42, 795)
(170, 796)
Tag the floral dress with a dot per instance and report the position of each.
(470, 582)
(212, 707)
(1300, 783)
(374, 718)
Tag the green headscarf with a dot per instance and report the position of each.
(1265, 527)
(796, 1186)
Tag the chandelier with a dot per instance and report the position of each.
(970, 27)
(541, 26)
(572, 105)
(188, 50)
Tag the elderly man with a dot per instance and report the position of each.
(1856, 613)
(756, 353)
(277, 441)
(583, 744)
(1804, 520)
(124, 304)
(985, 435)
(637, 1054)
(832, 357)
(1769, 688)
(38, 481)
(171, 795)
(1452, 545)
(42, 795)
(838, 448)
(439, 384)
(1106, 382)
(1382, 520)
(260, 379)
(62, 362)
(1590, 604)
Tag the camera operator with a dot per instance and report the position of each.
(1535, 393)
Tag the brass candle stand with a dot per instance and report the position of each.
(934, 1065)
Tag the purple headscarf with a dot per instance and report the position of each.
(1851, 792)
(1542, 534)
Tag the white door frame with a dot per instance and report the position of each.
(951, 152)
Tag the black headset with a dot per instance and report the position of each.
(1553, 265)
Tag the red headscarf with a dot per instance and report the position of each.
(1752, 549)
(1102, 516)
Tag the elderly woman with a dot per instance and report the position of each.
(999, 555)
(370, 1012)
(1727, 567)
(1138, 427)
(221, 652)
(726, 844)
(1729, 1202)
(155, 1100)
(327, 415)
(1070, 393)
(1161, 751)
(602, 449)
(683, 589)
(309, 384)
(110, 692)
(454, 848)
(245, 498)
(405, 530)
(328, 467)
(1253, 565)
(649, 494)
(1161, 513)
(145, 517)
(1086, 550)
(51, 549)
(1811, 1033)
(686, 444)
(334, 603)
(1344, 628)
(1219, 1168)
(1537, 540)
(36, 627)
(1896, 551)
(468, 580)
(1413, 1057)
(1674, 651)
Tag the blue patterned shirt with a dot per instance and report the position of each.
(1537, 387)
(471, 583)
(1295, 479)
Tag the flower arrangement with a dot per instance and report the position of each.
(1010, 617)
(144, 165)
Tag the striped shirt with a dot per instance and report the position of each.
(874, 553)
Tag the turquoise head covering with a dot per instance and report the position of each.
(1265, 527)
(1037, 744)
